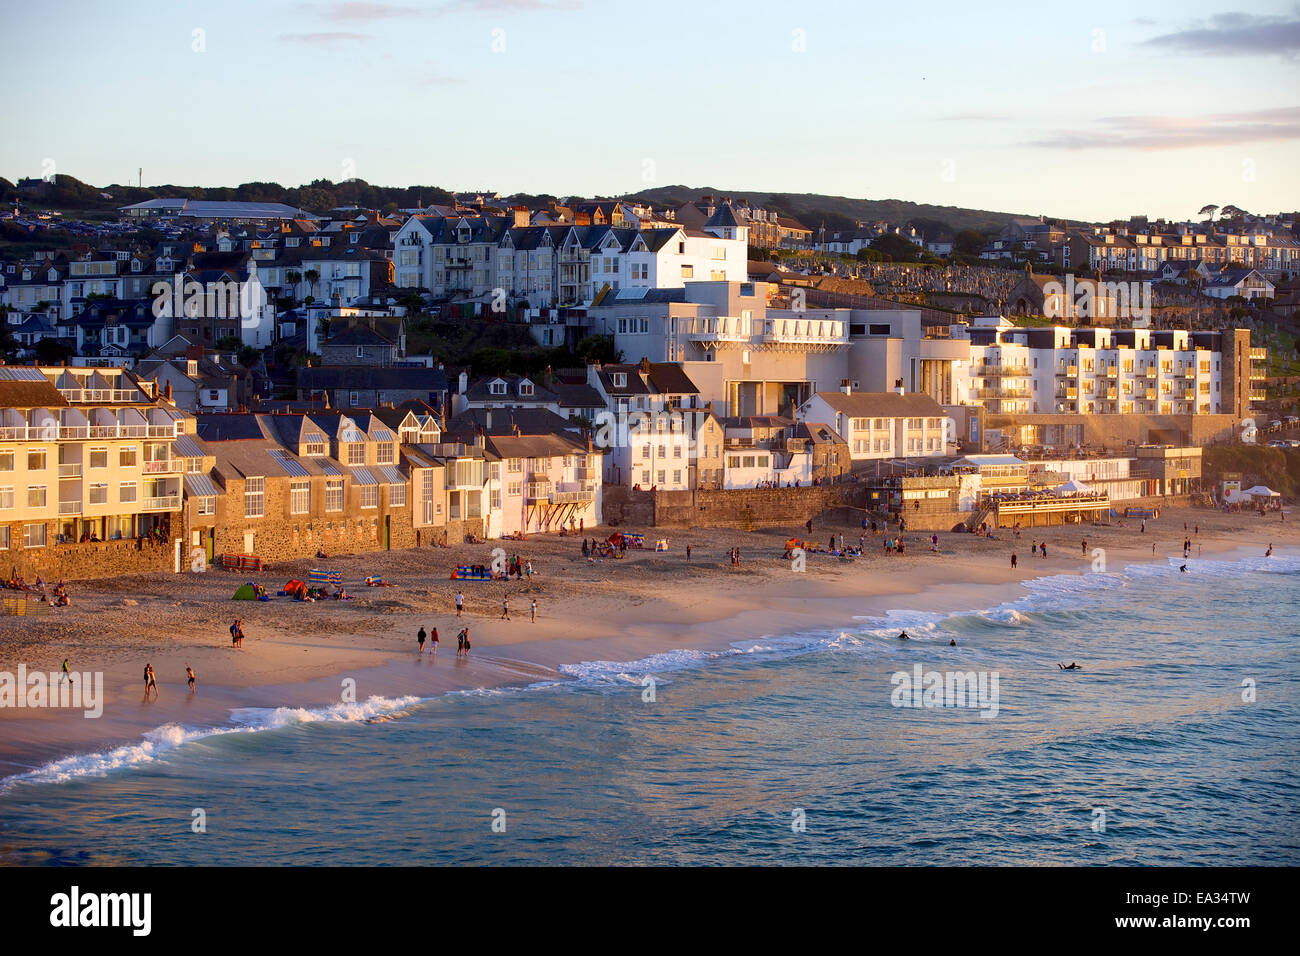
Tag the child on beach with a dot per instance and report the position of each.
(189, 675)
(533, 609)
(505, 609)
(460, 604)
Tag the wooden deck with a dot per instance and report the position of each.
(1032, 512)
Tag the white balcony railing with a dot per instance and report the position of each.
(69, 507)
(70, 471)
(168, 503)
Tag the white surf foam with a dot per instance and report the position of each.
(160, 741)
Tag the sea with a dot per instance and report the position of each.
(1175, 742)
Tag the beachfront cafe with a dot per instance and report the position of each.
(1017, 492)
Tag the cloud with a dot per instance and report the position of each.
(323, 39)
(1179, 132)
(347, 11)
(1235, 34)
(974, 117)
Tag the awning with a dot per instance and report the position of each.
(201, 486)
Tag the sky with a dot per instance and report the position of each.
(1090, 112)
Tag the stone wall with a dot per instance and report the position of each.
(734, 508)
(92, 559)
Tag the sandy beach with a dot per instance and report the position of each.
(299, 654)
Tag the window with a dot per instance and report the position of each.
(497, 388)
(33, 536)
(299, 497)
(36, 460)
(512, 464)
(397, 496)
(384, 453)
(126, 456)
(677, 477)
(207, 505)
(334, 494)
(254, 497)
(370, 496)
(662, 475)
(99, 458)
(4, 537)
(36, 496)
(6, 461)
(127, 492)
(688, 272)
(316, 446)
(356, 454)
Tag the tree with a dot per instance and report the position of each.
(311, 275)
(896, 247)
(293, 277)
(968, 242)
(248, 356)
(230, 343)
(1209, 211)
(52, 352)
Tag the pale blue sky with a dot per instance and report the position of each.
(1089, 112)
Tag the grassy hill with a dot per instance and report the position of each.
(840, 212)
(1277, 468)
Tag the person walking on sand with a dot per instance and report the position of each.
(419, 639)
(237, 633)
(460, 641)
(688, 552)
(65, 675)
(533, 610)
(433, 641)
(1013, 560)
(189, 677)
(467, 643)
(460, 604)
(147, 670)
(150, 682)
(505, 608)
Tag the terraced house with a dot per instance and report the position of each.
(288, 486)
(91, 463)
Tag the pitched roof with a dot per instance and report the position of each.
(882, 404)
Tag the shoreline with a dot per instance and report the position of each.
(617, 615)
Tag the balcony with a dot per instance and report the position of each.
(537, 491)
(988, 370)
(170, 466)
(1070, 371)
(1112, 372)
(1150, 372)
(69, 507)
(1150, 395)
(1188, 373)
(572, 492)
(168, 503)
(1188, 396)
(70, 471)
(1002, 393)
(1112, 394)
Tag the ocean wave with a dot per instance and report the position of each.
(160, 741)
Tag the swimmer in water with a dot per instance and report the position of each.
(903, 636)
(953, 642)
(1072, 667)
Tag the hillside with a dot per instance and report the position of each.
(1257, 464)
(840, 212)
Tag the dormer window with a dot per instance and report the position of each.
(525, 388)
(497, 388)
(619, 379)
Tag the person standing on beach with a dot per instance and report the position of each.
(467, 643)
(150, 682)
(419, 639)
(1013, 560)
(189, 675)
(533, 609)
(460, 641)
(433, 640)
(688, 552)
(147, 670)
(505, 608)
(460, 604)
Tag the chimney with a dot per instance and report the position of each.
(898, 386)
(464, 382)
(488, 422)
(644, 366)
(845, 387)
(167, 391)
